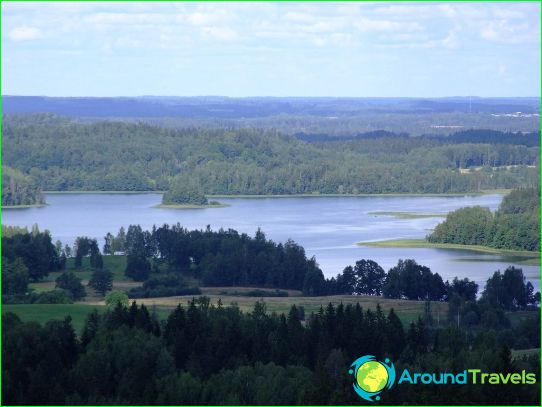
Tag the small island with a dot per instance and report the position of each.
(183, 193)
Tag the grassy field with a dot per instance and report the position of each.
(422, 243)
(408, 215)
(406, 310)
(44, 312)
(115, 264)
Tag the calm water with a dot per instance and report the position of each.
(327, 228)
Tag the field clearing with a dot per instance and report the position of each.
(407, 310)
(115, 264)
(422, 243)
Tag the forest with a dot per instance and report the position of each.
(19, 189)
(515, 225)
(142, 157)
(207, 354)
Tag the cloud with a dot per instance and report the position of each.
(25, 33)
(220, 33)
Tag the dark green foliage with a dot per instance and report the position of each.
(515, 225)
(19, 189)
(87, 247)
(101, 281)
(183, 190)
(206, 354)
(464, 288)
(70, 282)
(509, 290)
(412, 281)
(36, 251)
(163, 286)
(14, 276)
(138, 267)
(252, 161)
(225, 258)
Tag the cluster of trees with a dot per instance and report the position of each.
(19, 189)
(217, 258)
(183, 190)
(207, 354)
(412, 281)
(27, 256)
(515, 225)
(252, 161)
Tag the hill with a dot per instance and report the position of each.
(105, 156)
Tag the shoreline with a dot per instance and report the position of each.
(24, 206)
(318, 195)
(423, 244)
(188, 206)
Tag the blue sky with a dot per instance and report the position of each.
(271, 49)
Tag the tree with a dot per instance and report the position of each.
(108, 245)
(507, 290)
(14, 276)
(101, 281)
(370, 277)
(116, 297)
(464, 288)
(138, 267)
(70, 282)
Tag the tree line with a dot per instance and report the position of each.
(166, 258)
(213, 354)
(515, 225)
(253, 161)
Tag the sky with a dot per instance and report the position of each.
(353, 49)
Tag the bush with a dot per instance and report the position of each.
(167, 285)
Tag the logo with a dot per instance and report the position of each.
(372, 377)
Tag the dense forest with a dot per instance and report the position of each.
(207, 354)
(250, 161)
(515, 225)
(19, 189)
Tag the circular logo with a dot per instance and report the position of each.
(371, 377)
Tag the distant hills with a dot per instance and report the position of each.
(257, 107)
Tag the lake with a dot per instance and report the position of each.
(327, 227)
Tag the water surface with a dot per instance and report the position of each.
(327, 227)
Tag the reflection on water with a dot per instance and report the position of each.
(328, 227)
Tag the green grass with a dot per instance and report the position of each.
(407, 311)
(408, 215)
(422, 243)
(115, 264)
(42, 313)
(78, 312)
